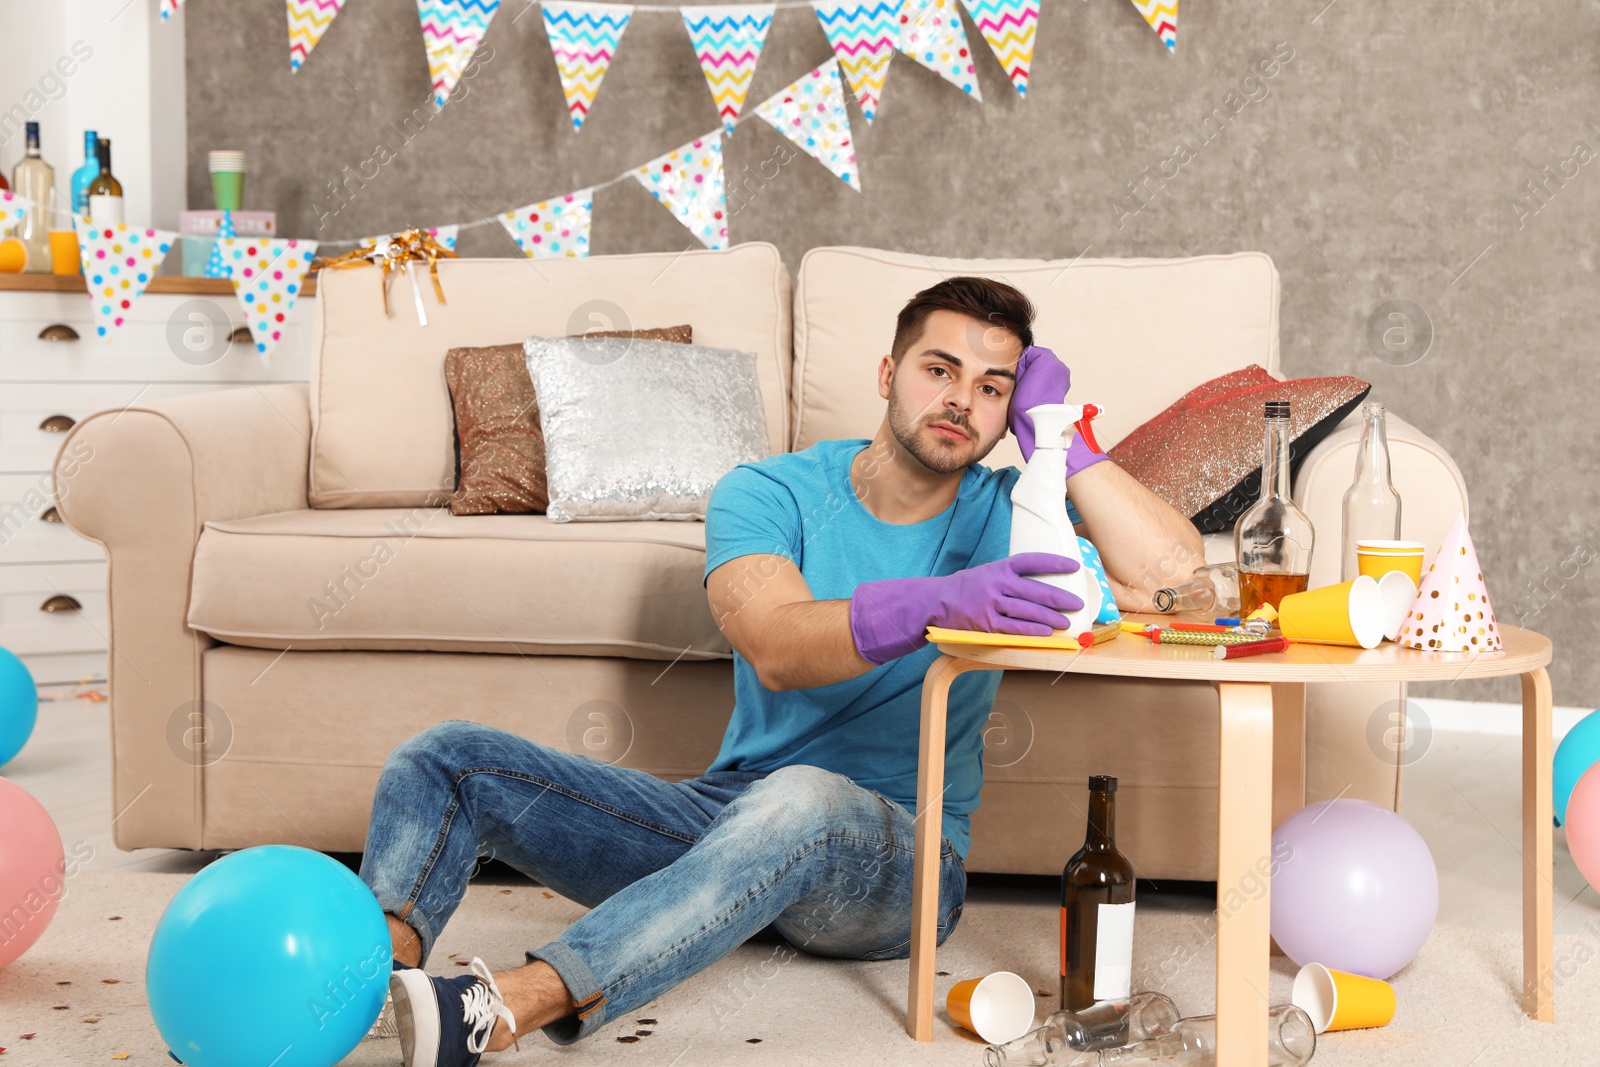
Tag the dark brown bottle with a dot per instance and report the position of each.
(1097, 909)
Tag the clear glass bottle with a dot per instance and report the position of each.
(35, 179)
(1104, 1025)
(1291, 1042)
(1214, 588)
(1371, 509)
(1097, 909)
(1272, 541)
(85, 174)
(105, 192)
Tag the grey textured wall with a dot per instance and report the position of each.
(1389, 159)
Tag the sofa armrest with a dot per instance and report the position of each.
(142, 482)
(1431, 490)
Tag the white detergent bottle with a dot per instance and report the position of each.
(1039, 520)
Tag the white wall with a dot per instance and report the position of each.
(130, 88)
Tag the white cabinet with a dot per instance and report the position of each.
(177, 340)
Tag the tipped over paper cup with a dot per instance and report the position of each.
(1377, 558)
(1399, 592)
(1336, 1000)
(1350, 613)
(998, 1008)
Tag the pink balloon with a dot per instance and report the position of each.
(33, 870)
(1583, 825)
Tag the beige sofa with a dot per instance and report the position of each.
(230, 517)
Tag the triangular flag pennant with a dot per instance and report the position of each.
(931, 34)
(811, 113)
(863, 36)
(1452, 611)
(727, 38)
(584, 38)
(445, 235)
(688, 182)
(451, 31)
(267, 273)
(552, 228)
(216, 265)
(169, 8)
(118, 262)
(1162, 15)
(308, 21)
(12, 208)
(1008, 26)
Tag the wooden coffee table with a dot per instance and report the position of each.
(1262, 782)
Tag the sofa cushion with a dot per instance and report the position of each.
(422, 578)
(381, 420)
(1136, 333)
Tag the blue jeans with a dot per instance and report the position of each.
(676, 874)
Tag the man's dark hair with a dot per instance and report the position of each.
(990, 302)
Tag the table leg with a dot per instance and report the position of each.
(1288, 755)
(1538, 981)
(929, 827)
(1244, 850)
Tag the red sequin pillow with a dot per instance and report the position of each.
(1203, 454)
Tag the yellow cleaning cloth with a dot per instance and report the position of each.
(1058, 640)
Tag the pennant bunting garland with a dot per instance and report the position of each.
(267, 274)
(688, 182)
(1008, 26)
(1162, 15)
(118, 262)
(552, 228)
(451, 32)
(169, 8)
(445, 235)
(584, 37)
(12, 208)
(863, 36)
(308, 21)
(931, 34)
(811, 113)
(727, 38)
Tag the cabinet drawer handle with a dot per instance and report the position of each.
(58, 424)
(61, 602)
(241, 336)
(50, 515)
(58, 331)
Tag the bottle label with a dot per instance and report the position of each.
(105, 210)
(1113, 952)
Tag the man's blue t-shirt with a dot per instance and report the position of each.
(801, 505)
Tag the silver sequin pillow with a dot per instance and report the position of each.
(637, 429)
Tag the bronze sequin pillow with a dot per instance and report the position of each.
(1203, 454)
(499, 449)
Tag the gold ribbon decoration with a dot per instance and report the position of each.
(412, 245)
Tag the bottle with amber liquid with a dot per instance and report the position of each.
(1272, 540)
(1097, 909)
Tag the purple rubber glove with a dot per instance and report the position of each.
(890, 618)
(1043, 379)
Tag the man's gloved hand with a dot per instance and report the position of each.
(1043, 379)
(889, 618)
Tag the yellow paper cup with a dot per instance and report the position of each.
(1337, 1000)
(998, 1008)
(64, 258)
(1350, 613)
(1377, 558)
(1399, 592)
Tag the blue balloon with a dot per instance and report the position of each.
(1578, 751)
(275, 954)
(19, 706)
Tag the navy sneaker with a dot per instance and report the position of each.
(446, 1022)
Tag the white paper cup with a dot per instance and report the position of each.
(1399, 592)
(998, 1008)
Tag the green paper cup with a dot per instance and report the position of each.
(229, 189)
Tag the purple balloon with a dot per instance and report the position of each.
(1354, 888)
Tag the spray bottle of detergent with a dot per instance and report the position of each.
(1039, 521)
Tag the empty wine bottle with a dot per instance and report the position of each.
(1214, 588)
(1291, 1042)
(1106, 1024)
(1097, 909)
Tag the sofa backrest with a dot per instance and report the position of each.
(1136, 333)
(383, 431)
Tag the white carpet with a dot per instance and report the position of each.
(1457, 1002)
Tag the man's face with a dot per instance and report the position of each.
(949, 395)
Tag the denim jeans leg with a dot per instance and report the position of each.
(800, 838)
(460, 790)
